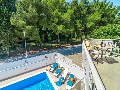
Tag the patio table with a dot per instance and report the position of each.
(102, 49)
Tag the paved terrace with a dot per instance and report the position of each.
(109, 72)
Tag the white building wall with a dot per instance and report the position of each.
(11, 65)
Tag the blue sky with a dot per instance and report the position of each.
(115, 2)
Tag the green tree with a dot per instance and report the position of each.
(110, 31)
(7, 9)
(27, 19)
(100, 13)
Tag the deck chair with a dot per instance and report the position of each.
(70, 82)
(53, 67)
(62, 78)
(58, 71)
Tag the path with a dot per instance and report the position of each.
(70, 52)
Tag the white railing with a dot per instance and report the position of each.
(87, 65)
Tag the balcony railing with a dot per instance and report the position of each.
(89, 65)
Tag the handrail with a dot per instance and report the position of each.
(97, 80)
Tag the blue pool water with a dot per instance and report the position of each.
(43, 85)
(37, 82)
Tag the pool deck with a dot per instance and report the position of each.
(16, 78)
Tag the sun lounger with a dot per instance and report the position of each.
(54, 66)
(70, 81)
(69, 85)
(58, 71)
(72, 75)
(62, 78)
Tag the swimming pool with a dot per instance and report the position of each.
(39, 81)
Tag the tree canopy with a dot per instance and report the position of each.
(48, 20)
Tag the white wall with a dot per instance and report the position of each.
(76, 70)
(14, 68)
(85, 64)
(13, 72)
(12, 64)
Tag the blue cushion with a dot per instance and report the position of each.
(70, 83)
(55, 65)
(61, 79)
(58, 83)
(72, 76)
(58, 71)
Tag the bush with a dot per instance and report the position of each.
(110, 31)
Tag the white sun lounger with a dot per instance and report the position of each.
(65, 73)
(53, 67)
(62, 78)
(70, 84)
(57, 72)
(68, 87)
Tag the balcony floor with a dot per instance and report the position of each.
(110, 74)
